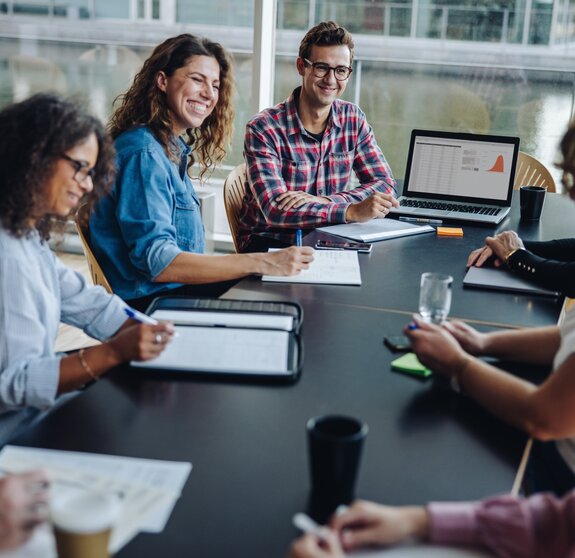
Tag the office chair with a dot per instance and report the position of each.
(531, 172)
(83, 227)
(234, 190)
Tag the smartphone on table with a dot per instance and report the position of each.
(397, 343)
(363, 247)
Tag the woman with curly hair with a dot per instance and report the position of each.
(148, 234)
(54, 155)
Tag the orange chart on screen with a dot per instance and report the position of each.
(498, 166)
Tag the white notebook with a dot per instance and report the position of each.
(329, 267)
(376, 229)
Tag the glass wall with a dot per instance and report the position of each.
(452, 65)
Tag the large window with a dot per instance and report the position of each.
(501, 68)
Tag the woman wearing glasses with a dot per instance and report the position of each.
(300, 154)
(53, 155)
(148, 234)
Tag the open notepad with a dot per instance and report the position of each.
(229, 337)
(329, 267)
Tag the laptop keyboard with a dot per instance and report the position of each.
(425, 204)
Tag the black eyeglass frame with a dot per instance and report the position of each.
(80, 169)
(325, 68)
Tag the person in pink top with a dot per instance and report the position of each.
(539, 526)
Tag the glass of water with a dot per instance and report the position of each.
(435, 297)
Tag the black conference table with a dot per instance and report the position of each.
(391, 273)
(247, 440)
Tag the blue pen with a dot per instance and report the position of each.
(140, 317)
(298, 238)
(412, 326)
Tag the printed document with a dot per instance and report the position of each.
(148, 488)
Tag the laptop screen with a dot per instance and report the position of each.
(461, 167)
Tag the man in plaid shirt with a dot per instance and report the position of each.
(300, 153)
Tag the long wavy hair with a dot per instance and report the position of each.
(144, 104)
(33, 136)
(567, 164)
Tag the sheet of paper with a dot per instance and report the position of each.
(148, 488)
(329, 267)
(376, 229)
(258, 351)
(230, 319)
(421, 551)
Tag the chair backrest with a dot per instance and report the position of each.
(82, 225)
(234, 190)
(531, 172)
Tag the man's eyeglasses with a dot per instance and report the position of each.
(321, 69)
(80, 167)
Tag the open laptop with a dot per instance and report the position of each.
(467, 177)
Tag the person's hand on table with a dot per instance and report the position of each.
(23, 507)
(471, 340)
(312, 546)
(374, 207)
(295, 199)
(436, 347)
(496, 247)
(370, 524)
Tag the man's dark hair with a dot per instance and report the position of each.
(326, 33)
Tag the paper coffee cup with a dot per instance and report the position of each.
(82, 521)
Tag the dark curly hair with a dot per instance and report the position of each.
(33, 136)
(326, 33)
(144, 104)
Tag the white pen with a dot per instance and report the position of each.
(421, 220)
(140, 316)
(306, 524)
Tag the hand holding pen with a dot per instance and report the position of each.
(318, 542)
(141, 341)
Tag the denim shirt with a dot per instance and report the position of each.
(151, 215)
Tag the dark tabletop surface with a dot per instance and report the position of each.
(391, 273)
(247, 440)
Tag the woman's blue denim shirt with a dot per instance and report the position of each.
(151, 215)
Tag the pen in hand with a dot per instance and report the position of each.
(140, 316)
(298, 238)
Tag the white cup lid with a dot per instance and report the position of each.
(84, 511)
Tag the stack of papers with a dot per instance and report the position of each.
(329, 267)
(148, 489)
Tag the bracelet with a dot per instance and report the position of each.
(85, 365)
(455, 380)
(509, 255)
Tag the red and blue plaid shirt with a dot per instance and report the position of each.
(281, 156)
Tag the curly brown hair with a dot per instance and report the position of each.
(34, 134)
(326, 33)
(144, 104)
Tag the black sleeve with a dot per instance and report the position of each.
(548, 273)
(562, 249)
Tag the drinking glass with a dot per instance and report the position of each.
(435, 297)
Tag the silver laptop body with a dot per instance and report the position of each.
(457, 176)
